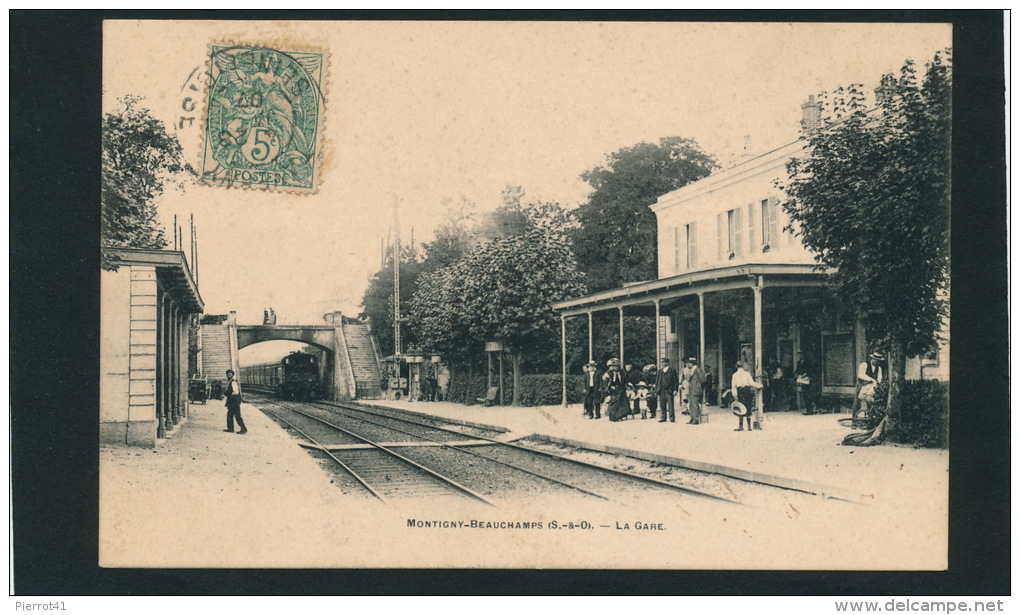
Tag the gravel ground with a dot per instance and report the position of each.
(341, 478)
(744, 492)
(489, 478)
(435, 421)
(323, 434)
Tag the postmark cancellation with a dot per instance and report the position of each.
(263, 124)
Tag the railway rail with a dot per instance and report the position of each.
(435, 442)
(383, 472)
(560, 459)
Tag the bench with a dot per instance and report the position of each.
(490, 397)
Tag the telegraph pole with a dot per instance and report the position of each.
(396, 279)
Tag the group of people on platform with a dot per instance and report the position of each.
(628, 392)
(622, 392)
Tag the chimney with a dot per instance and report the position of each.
(748, 153)
(812, 118)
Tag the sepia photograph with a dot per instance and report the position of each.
(525, 295)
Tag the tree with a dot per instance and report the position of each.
(503, 290)
(377, 302)
(438, 315)
(454, 238)
(616, 240)
(871, 199)
(139, 158)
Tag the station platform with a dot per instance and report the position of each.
(793, 450)
(208, 499)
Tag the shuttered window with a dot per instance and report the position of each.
(736, 235)
(770, 221)
(752, 237)
(692, 245)
(719, 237)
(676, 249)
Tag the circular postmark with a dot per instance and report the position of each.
(263, 117)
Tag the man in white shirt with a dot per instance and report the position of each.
(743, 388)
(869, 375)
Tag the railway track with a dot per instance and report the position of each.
(508, 450)
(469, 457)
(384, 473)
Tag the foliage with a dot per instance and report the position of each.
(377, 302)
(466, 389)
(535, 389)
(547, 389)
(439, 318)
(502, 290)
(616, 239)
(510, 284)
(871, 199)
(924, 415)
(454, 238)
(139, 158)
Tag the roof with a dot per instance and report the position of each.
(173, 263)
(722, 278)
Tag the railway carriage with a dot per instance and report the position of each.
(296, 376)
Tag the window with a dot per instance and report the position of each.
(691, 231)
(733, 235)
(676, 249)
(769, 234)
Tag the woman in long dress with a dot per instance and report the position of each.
(615, 389)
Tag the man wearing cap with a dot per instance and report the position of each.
(591, 387)
(666, 384)
(234, 404)
(695, 391)
(869, 376)
(743, 388)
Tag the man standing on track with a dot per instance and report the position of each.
(234, 404)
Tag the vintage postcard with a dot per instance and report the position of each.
(529, 295)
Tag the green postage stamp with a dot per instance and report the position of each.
(263, 118)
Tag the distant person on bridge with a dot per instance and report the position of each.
(234, 404)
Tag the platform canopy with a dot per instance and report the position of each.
(170, 263)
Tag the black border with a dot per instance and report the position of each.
(55, 77)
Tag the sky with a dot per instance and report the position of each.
(423, 112)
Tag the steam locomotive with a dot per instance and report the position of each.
(296, 376)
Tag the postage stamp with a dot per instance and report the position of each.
(263, 118)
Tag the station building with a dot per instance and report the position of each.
(734, 284)
(145, 309)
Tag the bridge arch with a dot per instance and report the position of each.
(326, 337)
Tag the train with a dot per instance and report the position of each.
(296, 376)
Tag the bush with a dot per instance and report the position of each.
(536, 389)
(547, 389)
(924, 414)
(466, 389)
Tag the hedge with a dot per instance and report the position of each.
(924, 414)
(536, 389)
